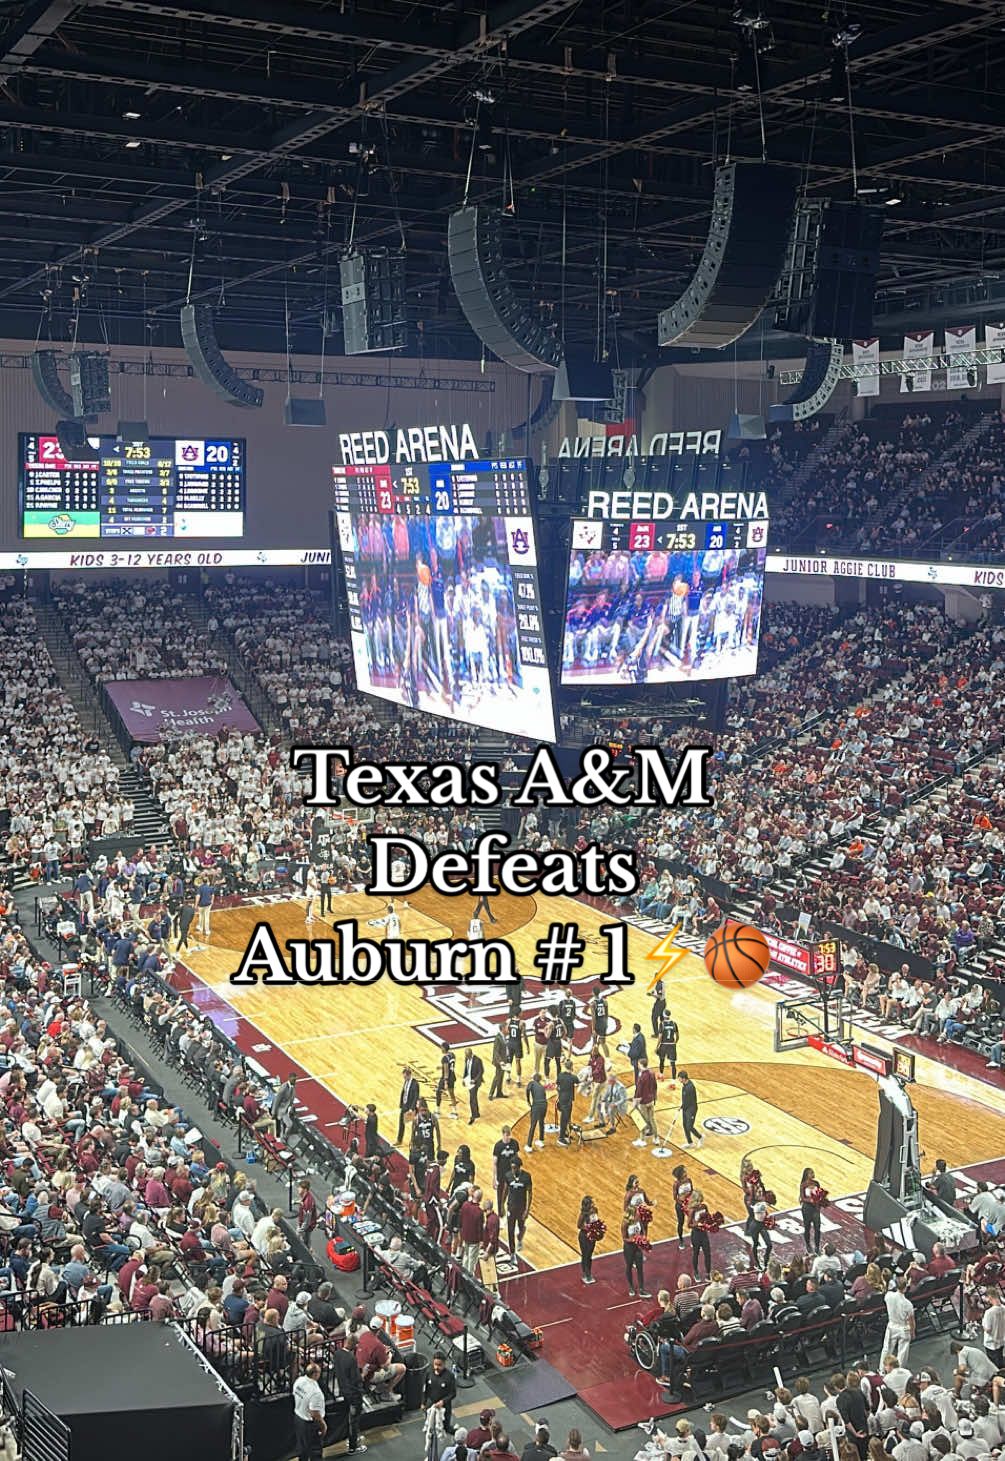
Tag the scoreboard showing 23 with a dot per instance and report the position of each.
(163, 487)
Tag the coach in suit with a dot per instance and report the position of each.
(474, 1074)
(689, 1109)
(407, 1101)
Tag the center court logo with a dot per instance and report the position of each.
(726, 1125)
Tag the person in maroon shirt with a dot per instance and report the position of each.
(480, 1433)
(472, 1225)
(190, 1243)
(490, 1229)
(703, 1329)
(940, 1262)
(126, 1274)
(374, 1359)
(307, 1211)
(277, 1297)
(144, 1289)
(155, 1194)
(501, 1451)
(645, 1100)
(180, 1185)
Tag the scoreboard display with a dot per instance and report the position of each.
(165, 487)
(441, 573)
(659, 601)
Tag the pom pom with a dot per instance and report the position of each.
(595, 1230)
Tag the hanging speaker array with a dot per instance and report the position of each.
(512, 331)
(752, 213)
(45, 374)
(821, 374)
(198, 334)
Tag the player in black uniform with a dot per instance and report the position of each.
(659, 999)
(519, 1191)
(505, 1149)
(568, 1009)
(425, 1140)
(601, 1020)
(516, 1037)
(666, 1049)
(448, 1078)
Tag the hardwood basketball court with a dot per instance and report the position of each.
(786, 1110)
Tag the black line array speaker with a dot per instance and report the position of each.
(198, 335)
(752, 213)
(821, 374)
(304, 411)
(373, 301)
(512, 331)
(45, 374)
(582, 379)
(847, 266)
(89, 385)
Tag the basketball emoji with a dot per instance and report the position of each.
(737, 955)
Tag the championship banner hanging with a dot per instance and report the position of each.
(994, 338)
(959, 340)
(866, 352)
(918, 346)
(152, 710)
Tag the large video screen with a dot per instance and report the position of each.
(648, 603)
(444, 602)
(165, 487)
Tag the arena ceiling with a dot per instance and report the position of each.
(237, 138)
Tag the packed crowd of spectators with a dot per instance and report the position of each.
(978, 486)
(875, 487)
(134, 629)
(58, 785)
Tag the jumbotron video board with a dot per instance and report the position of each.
(660, 591)
(164, 487)
(441, 574)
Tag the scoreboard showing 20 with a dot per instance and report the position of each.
(163, 487)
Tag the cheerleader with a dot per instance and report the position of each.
(808, 1188)
(588, 1226)
(668, 1036)
(701, 1246)
(313, 889)
(635, 1196)
(632, 1235)
(683, 1191)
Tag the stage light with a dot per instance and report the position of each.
(131, 116)
(134, 142)
(892, 202)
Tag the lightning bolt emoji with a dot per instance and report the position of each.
(668, 952)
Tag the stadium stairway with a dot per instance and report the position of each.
(888, 510)
(254, 696)
(149, 825)
(839, 429)
(76, 682)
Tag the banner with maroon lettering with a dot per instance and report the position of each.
(994, 339)
(866, 352)
(153, 710)
(961, 340)
(918, 345)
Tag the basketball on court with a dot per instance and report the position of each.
(737, 955)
